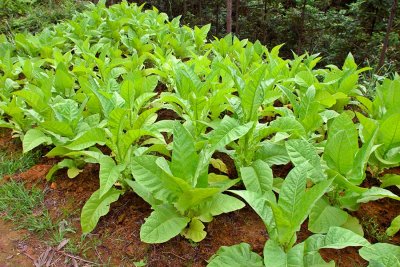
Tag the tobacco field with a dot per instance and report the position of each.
(198, 130)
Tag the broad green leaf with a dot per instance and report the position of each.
(34, 138)
(236, 256)
(258, 177)
(389, 132)
(323, 216)
(354, 225)
(149, 175)
(357, 173)
(342, 144)
(109, 174)
(308, 201)
(287, 124)
(275, 256)
(184, 157)
(193, 197)
(163, 224)
(338, 238)
(97, 207)
(367, 127)
(66, 110)
(88, 139)
(375, 193)
(390, 180)
(292, 192)
(381, 253)
(58, 127)
(143, 193)
(63, 81)
(253, 94)
(302, 152)
(394, 226)
(227, 131)
(272, 153)
(260, 204)
(195, 231)
(219, 204)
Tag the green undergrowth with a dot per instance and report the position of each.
(25, 208)
(34, 15)
(17, 162)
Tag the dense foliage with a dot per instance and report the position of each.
(332, 28)
(34, 15)
(96, 89)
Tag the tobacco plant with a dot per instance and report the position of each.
(181, 192)
(283, 218)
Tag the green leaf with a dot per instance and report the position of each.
(63, 82)
(390, 180)
(148, 174)
(354, 225)
(195, 231)
(235, 256)
(394, 226)
(193, 197)
(219, 204)
(338, 238)
(96, 207)
(227, 131)
(143, 193)
(58, 127)
(275, 256)
(184, 158)
(109, 174)
(258, 177)
(308, 201)
(375, 193)
(389, 132)
(163, 224)
(357, 173)
(385, 254)
(88, 139)
(261, 205)
(323, 216)
(292, 192)
(342, 144)
(34, 138)
(302, 152)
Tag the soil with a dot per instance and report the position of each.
(116, 242)
(17, 247)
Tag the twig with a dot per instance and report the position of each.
(77, 258)
(29, 256)
(167, 252)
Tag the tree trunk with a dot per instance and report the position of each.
(217, 19)
(388, 30)
(184, 7)
(228, 16)
(237, 6)
(200, 11)
(300, 40)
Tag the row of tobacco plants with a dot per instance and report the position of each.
(96, 89)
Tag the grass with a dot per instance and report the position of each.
(10, 164)
(372, 229)
(24, 207)
(32, 15)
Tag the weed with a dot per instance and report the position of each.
(10, 164)
(373, 230)
(24, 207)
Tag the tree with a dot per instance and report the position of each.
(228, 16)
(388, 31)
